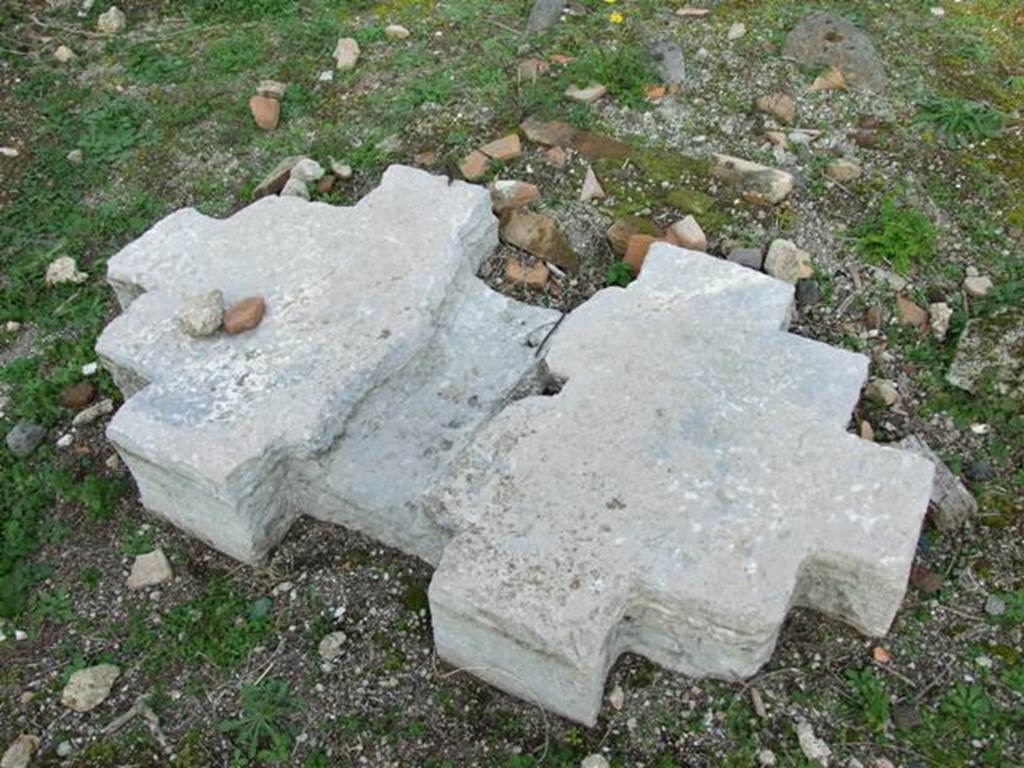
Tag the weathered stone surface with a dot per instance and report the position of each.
(396, 32)
(843, 170)
(149, 569)
(541, 236)
(379, 330)
(637, 248)
(88, 688)
(824, 39)
(692, 551)
(991, 347)
(952, 503)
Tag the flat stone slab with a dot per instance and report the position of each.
(692, 482)
(689, 483)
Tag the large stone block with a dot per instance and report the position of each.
(691, 481)
(380, 353)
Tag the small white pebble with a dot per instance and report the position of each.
(9, 152)
(90, 369)
(65, 440)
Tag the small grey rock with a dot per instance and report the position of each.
(668, 61)
(390, 145)
(330, 647)
(295, 188)
(112, 22)
(201, 315)
(995, 606)
(545, 14)
(828, 40)
(25, 438)
(88, 688)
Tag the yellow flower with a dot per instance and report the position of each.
(615, 18)
(610, 2)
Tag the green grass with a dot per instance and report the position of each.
(898, 235)
(960, 121)
(266, 731)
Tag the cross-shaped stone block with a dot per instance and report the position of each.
(690, 483)
(380, 354)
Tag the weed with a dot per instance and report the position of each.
(968, 706)
(898, 235)
(872, 700)
(265, 730)
(220, 627)
(960, 121)
(619, 274)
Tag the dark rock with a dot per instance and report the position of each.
(924, 580)
(905, 716)
(25, 438)
(748, 257)
(827, 40)
(980, 471)
(808, 293)
(545, 14)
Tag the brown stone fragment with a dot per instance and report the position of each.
(530, 275)
(637, 249)
(541, 236)
(474, 166)
(924, 580)
(77, 396)
(552, 134)
(244, 315)
(506, 148)
(619, 233)
(325, 184)
(265, 111)
(911, 314)
(529, 70)
(556, 156)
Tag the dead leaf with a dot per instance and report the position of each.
(655, 92)
(832, 80)
(881, 655)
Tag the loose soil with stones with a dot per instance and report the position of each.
(161, 115)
